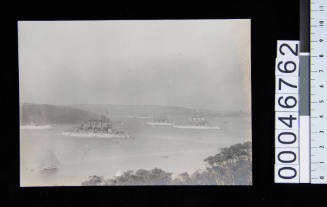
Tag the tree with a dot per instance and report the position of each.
(95, 180)
(155, 176)
(231, 166)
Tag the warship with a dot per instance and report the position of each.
(160, 121)
(33, 125)
(96, 128)
(196, 123)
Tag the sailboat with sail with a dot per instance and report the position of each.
(49, 163)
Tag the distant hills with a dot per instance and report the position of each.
(54, 114)
(80, 113)
(126, 110)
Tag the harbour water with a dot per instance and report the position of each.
(175, 150)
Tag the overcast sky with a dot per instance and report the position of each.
(191, 63)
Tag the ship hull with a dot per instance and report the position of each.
(159, 124)
(196, 127)
(98, 135)
(35, 127)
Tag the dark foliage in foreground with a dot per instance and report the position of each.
(231, 166)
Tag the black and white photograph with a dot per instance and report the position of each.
(135, 102)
